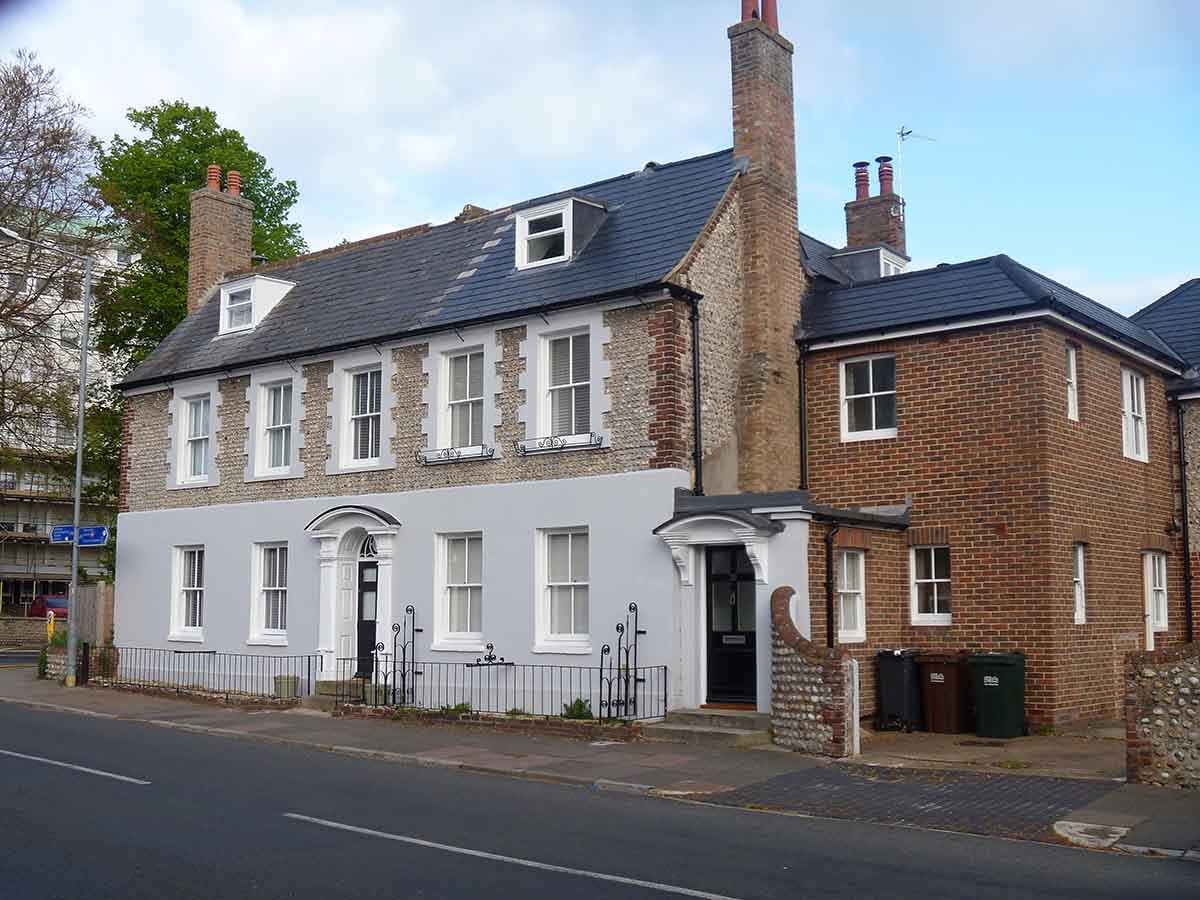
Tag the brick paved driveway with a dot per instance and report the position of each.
(1009, 805)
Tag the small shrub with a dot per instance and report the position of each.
(577, 709)
(42, 663)
(59, 638)
(458, 709)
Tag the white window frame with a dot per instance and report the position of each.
(340, 435)
(546, 641)
(844, 402)
(1133, 416)
(443, 637)
(449, 402)
(564, 207)
(269, 429)
(936, 618)
(180, 629)
(1072, 382)
(1154, 572)
(260, 633)
(352, 417)
(843, 560)
(228, 305)
(548, 390)
(187, 439)
(258, 395)
(1079, 581)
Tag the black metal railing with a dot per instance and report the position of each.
(617, 688)
(201, 672)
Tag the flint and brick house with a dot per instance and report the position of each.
(652, 388)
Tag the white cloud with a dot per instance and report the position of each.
(391, 113)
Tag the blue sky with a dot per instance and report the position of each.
(1066, 130)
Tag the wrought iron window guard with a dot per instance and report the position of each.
(442, 455)
(557, 443)
(491, 659)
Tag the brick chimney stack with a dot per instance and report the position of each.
(773, 281)
(879, 219)
(219, 234)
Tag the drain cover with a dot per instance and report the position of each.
(983, 743)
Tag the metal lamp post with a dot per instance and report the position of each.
(72, 597)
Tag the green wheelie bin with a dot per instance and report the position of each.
(998, 680)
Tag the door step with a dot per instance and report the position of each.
(721, 718)
(712, 727)
(707, 735)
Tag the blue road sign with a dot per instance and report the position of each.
(89, 535)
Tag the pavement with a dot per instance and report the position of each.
(113, 808)
(1094, 812)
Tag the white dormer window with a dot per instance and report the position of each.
(544, 235)
(245, 303)
(239, 310)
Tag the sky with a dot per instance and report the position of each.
(1064, 132)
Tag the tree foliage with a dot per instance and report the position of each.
(46, 160)
(146, 182)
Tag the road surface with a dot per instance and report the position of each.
(101, 808)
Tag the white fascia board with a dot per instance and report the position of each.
(964, 324)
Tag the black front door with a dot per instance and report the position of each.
(368, 603)
(731, 653)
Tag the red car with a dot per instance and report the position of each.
(44, 603)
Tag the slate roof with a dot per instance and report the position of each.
(740, 506)
(1176, 317)
(949, 293)
(387, 289)
(815, 255)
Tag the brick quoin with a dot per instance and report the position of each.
(988, 457)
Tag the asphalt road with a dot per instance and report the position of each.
(191, 815)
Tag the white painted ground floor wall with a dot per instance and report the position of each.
(627, 563)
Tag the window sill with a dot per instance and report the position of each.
(186, 637)
(856, 638)
(566, 647)
(454, 645)
(191, 485)
(373, 465)
(936, 620)
(444, 455)
(281, 475)
(521, 267)
(1141, 459)
(1159, 629)
(1080, 621)
(268, 640)
(559, 443)
(882, 434)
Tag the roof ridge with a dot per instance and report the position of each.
(1169, 295)
(1021, 276)
(940, 267)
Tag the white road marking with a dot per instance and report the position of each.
(512, 860)
(55, 762)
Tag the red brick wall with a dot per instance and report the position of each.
(885, 555)
(985, 452)
(219, 240)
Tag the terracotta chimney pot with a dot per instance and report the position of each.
(885, 175)
(233, 183)
(214, 178)
(862, 180)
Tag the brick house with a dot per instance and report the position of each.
(653, 388)
(1176, 316)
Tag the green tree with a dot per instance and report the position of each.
(146, 183)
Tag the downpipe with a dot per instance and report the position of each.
(1189, 635)
(834, 529)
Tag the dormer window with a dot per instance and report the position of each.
(544, 235)
(245, 303)
(239, 310)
